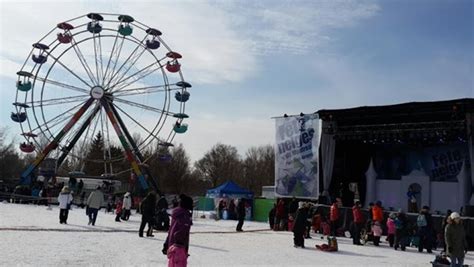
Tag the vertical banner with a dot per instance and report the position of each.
(296, 156)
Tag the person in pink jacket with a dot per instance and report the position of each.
(377, 232)
(391, 228)
(177, 242)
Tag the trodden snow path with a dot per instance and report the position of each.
(31, 235)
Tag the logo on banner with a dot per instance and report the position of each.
(296, 159)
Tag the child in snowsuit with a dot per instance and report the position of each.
(377, 232)
(177, 242)
(118, 210)
(391, 229)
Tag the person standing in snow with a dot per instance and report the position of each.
(455, 238)
(147, 208)
(391, 229)
(65, 200)
(126, 206)
(357, 224)
(118, 210)
(176, 245)
(240, 214)
(94, 203)
(334, 218)
(401, 230)
(299, 226)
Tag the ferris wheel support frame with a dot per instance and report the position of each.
(135, 148)
(76, 137)
(55, 142)
(130, 156)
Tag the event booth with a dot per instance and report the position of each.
(383, 151)
(229, 193)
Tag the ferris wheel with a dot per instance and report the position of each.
(100, 74)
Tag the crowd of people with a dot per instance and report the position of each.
(368, 226)
(151, 208)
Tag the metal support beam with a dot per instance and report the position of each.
(54, 144)
(130, 156)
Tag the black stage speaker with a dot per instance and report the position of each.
(468, 211)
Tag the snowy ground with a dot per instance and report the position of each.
(31, 235)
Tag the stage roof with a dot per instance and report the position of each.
(448, 110)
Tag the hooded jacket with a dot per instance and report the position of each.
(181, 222)
(64, 199)
(455, 237)
(127, 201)
(96, 199)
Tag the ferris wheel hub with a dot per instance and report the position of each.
(97, 92)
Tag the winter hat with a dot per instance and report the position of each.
(65, 189)
(300, 205)
(454, 215)
(186, 202)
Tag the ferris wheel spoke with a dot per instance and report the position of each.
(109, 146)
(69, 70)
(142, 106)
(137, 76)
(63, 85)
(65, 114)
(110, 59)
(114, 58)
(83, 61)
(147, 90)
(89, 137)
(130, 61)
(58, 101)
(135, 121)
(98, 57)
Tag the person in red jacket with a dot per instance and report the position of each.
(357, 224)
(334, 217)
(118, 210)
(279, 215)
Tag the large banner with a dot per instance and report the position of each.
(296, 156)
(442, 162)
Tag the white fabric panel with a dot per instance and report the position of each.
(370, 176)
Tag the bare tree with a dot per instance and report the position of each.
(221, 163)
(11, 164)
(177, 176)
(259, 168)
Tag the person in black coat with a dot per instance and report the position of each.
(299, 225)
(240, 214)
(401, 230)
(147, 208)
(425, 231)
(271, 216)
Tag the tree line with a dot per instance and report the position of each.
(171, 167)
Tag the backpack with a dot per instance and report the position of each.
(421, 220)
(398, 224)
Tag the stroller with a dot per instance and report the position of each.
(441, 260)
(366, 233)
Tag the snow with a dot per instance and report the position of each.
(31, 235)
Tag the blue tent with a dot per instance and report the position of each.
(229, 189)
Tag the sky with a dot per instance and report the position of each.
(249, 61)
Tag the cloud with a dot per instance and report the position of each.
(221, 42)
(296, 26)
